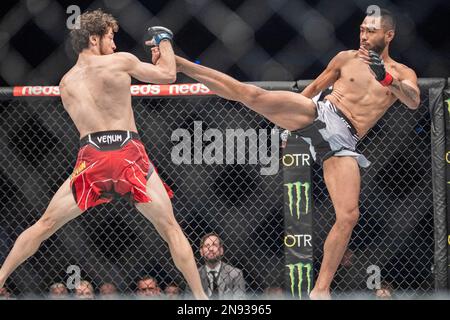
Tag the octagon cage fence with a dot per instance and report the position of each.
(114, 243)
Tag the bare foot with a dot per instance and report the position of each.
(316, 294)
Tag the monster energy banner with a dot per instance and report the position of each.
(447, 169)
(297, 216)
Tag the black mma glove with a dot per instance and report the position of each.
(158, 34)
(377, 66)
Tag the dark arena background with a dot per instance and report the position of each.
(401, 240)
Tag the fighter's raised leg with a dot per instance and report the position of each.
(62, 209)
(159, 212)
(286, 109)
(343, 181)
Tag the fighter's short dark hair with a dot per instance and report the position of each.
(388, 19)
(92, 23)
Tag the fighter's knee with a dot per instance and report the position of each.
(46, 225)
(171, 231)
(347, 219)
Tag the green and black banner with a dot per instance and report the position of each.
(446, 98)
(298, 242)
(434, 92)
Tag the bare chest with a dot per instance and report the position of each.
(357, 77)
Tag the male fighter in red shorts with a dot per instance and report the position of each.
(112, 160)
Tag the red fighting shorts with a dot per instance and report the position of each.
(111, 164)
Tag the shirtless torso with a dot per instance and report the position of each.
(356, 92)
(96, 94)
(96, 91)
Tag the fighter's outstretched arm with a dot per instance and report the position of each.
(286, 109)
(164, 71)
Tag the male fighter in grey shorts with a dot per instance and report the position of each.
(366, 82)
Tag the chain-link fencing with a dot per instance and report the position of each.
(252, 40)
(114, 243)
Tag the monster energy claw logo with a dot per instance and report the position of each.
(448, 106)
(297, 196)
(296, 271)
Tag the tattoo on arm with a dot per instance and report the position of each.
(395, 85)
(405, 89)
(408, 91)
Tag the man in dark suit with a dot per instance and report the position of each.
(219, 279)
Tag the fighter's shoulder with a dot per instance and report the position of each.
(403, 70)
(64, 80)
(347, 54)
(343, 56)
(124, 57)
(125, 61)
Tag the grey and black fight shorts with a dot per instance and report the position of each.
(331, 134)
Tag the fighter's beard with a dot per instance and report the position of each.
(102, 52)
(378, 48)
